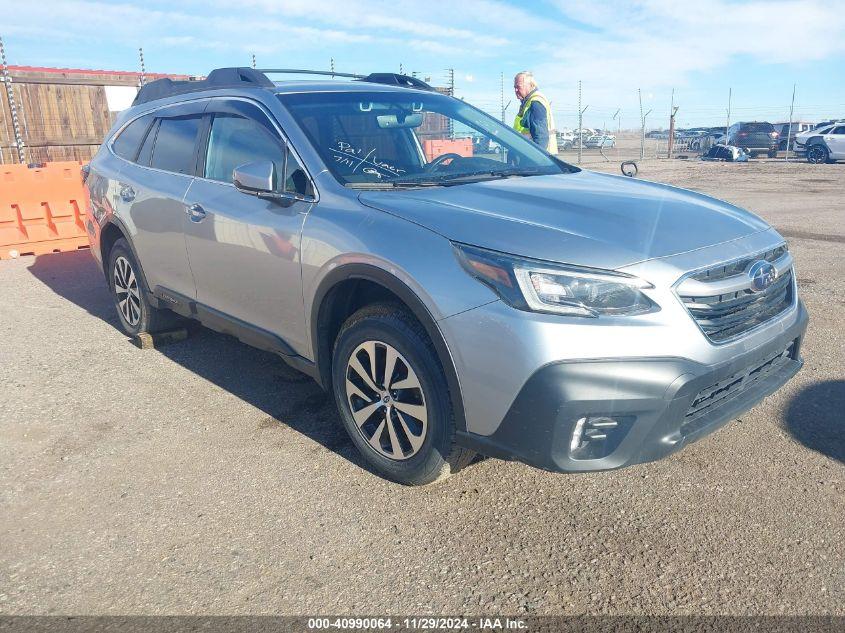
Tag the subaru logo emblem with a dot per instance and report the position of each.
(762, 275)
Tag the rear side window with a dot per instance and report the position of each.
(175, 144)
(147, 148)
(127, 142)
(838, 130)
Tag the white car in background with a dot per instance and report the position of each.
(826, 145)
(565, 139)
(601, 140)
(802, 138)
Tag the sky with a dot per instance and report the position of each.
(619, 51)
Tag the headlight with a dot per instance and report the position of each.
(545, 287)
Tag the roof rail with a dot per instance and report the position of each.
(257, 78)
(219, 78)
(393, 79)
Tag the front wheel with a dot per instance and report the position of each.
(393, 397)
(773, 153)
(817, 154)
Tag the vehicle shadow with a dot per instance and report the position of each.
(260, 378)
(815, 418)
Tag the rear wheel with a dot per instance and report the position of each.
(393, 397)
(134, 310)
(773, 153)
(817, 154)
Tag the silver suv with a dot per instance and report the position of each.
(454, 302)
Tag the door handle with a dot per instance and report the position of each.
(196, 213)
(127, 193)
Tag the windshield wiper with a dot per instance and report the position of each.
(394, 184)
(446, 180)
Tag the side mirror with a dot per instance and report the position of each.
(256, 178)
(259, 179)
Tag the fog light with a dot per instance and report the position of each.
(597, 437)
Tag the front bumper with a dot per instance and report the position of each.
(661, 405)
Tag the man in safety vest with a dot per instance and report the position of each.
(534, 118)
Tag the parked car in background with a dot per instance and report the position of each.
(565, 139)
(603, 141)
(756, 137)
(517, 307)
(802, 139)
(826, 145)
(788, 131)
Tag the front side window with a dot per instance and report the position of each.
(401, 138)
(235, 140)
(838, 130)
(175, 144)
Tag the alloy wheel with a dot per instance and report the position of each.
(386, 400)
(126, 290)
(816, 154)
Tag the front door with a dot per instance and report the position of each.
(835, 140)
(244, 250)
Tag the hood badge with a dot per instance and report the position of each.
(762, 275)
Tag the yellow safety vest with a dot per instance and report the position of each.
(519, 125)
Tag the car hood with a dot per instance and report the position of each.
(584, 218)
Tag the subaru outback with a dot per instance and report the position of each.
(454, 303)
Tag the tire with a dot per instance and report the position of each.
(128, 288)
(408, 433)
(817, 154)
(773, 154)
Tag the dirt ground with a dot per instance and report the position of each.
(207, 477)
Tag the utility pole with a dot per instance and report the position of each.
(581, 112)
(10, 95)
(451, 72)
(331, 65)
(618, 122)
(401, 69)
(642, 124)
(253, 60)
(143, 77)
(672, 112)
(502, 95)
(728, 122)
(789, 131)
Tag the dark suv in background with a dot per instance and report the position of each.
(755, 137)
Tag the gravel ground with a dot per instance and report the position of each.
(207, 477)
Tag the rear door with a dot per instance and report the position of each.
(244, 250)
(152, 191)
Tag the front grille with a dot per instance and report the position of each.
(725, 316)
(724, 304)
(720, 393)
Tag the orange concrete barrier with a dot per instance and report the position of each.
(42, 209)
(437, 147)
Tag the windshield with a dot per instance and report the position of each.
(389, 139)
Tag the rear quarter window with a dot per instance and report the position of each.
(127, 142)
(175, 145)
